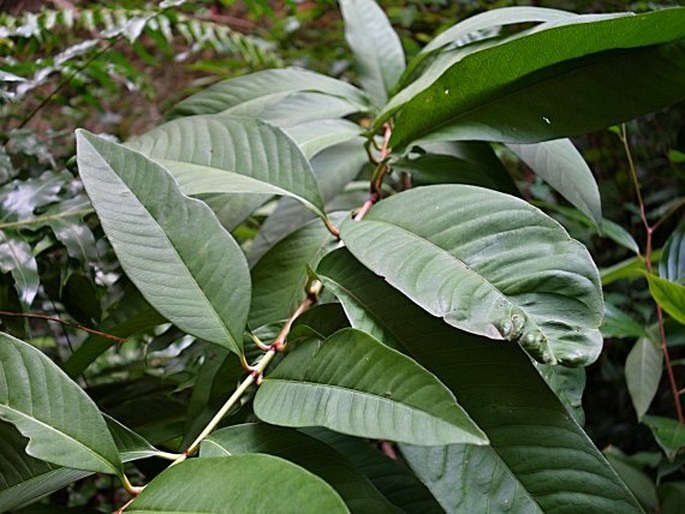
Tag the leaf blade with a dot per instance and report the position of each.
(393, 391)
(147, 218)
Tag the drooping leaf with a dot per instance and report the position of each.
(63, 425)
(376, 47)
(236, 484)
(76, 238)
(352, 383)
(639, 482)
(391, 477)
(17, 258)
(279, 278)
(513, 92)
(318, 458)
(628, 269)
(24, 479)
(547, 455)
(224, 154)
(172, 247)
(562, 166)
(643, 373)
(236, 91)
(669, 295)
(486, 263)
(672, 262)
(668, 433)
(131, 446)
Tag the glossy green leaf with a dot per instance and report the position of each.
(322, 460)
(526, 90)
(562, 166)
(391, 477)
(668, 433)
(24, 479)
(16, 258)
(546, 454)
(236, 484)
(643, 373)
(354, 384)
(20, 198)
(131, 445)
(629, 269)
(487, 263)
(223, 154)
(376, 47)
(279, 278)
(669, 295)
(148, 221)
(63, 425)
(232, 92)
(672, 262)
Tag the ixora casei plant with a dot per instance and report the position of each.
(418, 299)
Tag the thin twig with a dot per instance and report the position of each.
(37, 315)
(650, 268)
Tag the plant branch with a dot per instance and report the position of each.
(650, 268)
(36, 315)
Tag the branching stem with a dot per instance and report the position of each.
(650, 268)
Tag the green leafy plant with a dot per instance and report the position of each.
(401, 294)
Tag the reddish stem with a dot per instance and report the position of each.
(64, 322)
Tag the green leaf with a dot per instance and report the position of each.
(487, 263)
(643, 373)
(618, 324)
(315, 136)
(440, 169)
(76, 238)
(672, 262)
(527, 89)
(222, 154)
(17, 258)
(232, 92)
(334, 168)
(320, 459)
(131, 445)
(279, 278)
(391, 477)
(289, 109)
(628, 269)
(24, 479)
(562, 166)
(462, 36)
(669, 295)
(568, 384)
(376, 47)
(462, 476)
(236, 484)
(495, 18)
(355, 385)
(672, 495)
(62, 423)
(668, 433)
(642, 485)
(172, 247)
(547, 455)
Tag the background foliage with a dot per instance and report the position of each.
(117, 69)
